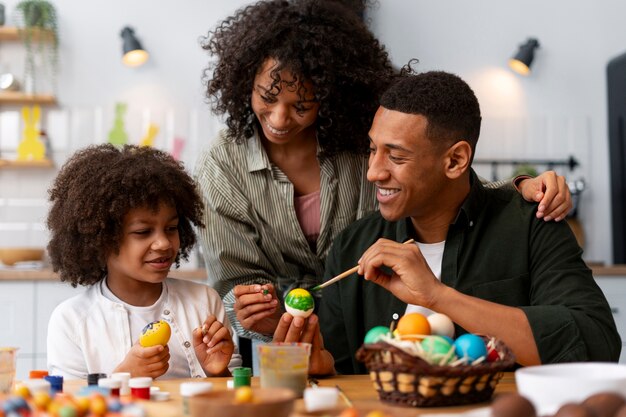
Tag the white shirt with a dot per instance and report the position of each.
(433, 253)
(138, 317)
(90, 333)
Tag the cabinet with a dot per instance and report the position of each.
(11, 34)
(614, 289)
(25, 307)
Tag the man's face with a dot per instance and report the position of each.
(405, 166)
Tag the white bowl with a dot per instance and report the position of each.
(551, 386)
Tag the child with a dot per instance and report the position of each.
(119, 219)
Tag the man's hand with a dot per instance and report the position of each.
(214, 347)
(150, 361)
(297, 329)
(551, 192)
(412, 280)
(256, 307)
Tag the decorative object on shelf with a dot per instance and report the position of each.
(37, 20)
(522, 60)
(31, 148)
(133, 53)
(2, 14)
(8, 82)
(148, 139)
(177, 148)
(117, 135)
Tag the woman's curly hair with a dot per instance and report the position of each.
(93, 192)
(317, 40)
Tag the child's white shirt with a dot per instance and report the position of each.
(90, 333)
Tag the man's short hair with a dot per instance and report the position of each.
(447, 102)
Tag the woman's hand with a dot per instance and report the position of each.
(150, 361)
(256, 307)
(551, 192)
(214, 347)
(297, 329)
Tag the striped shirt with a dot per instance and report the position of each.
(252, 233)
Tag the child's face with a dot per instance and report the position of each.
(148, 247)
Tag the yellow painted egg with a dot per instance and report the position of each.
(299, 303)
(42, 400)
(22, 390)
(244, 395)
(155, 333)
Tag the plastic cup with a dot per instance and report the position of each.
(7, 369)
(284, 365)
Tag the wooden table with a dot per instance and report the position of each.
(358, 388)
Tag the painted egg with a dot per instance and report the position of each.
(436, 345)
(492, 354)
(244, 395)
(155, 333)
(439, 349)
(375, 333)
(299, 303)
(441, 325)
(413, 326)
(470, 346)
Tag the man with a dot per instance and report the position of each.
(483, 258)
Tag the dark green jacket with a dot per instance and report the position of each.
(496, 250)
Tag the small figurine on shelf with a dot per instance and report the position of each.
(177, 147)
(31, 148)
(117, 135)
(151, 133)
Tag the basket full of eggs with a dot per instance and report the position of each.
(419, 364)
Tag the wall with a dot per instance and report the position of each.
(560, 110)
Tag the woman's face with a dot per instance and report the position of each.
(285, 118)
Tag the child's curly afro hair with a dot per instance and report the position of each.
(95, 189)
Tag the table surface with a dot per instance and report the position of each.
(358, 388)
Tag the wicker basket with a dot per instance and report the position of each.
(404, 379)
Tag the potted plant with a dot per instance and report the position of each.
(37, 21)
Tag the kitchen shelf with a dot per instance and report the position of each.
(12, 33)
(19, 98)
(12, 163)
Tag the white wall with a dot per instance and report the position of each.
(559, 110)
(566, 91)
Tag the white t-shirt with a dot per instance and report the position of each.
(139, 317)
(433, 253)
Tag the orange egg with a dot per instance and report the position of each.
(413, 326)
(349, 412)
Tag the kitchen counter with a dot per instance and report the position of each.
(47, 274)
(200, 274)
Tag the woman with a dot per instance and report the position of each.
(300, 82)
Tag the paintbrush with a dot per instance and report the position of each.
(344, 274)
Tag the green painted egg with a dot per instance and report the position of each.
(374, 334)
(438, 349)
(299, 303)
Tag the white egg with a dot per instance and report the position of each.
(298, 313)
(441, 325)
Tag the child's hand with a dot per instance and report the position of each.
(150, 361)
(214, 347)
(257, 307)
